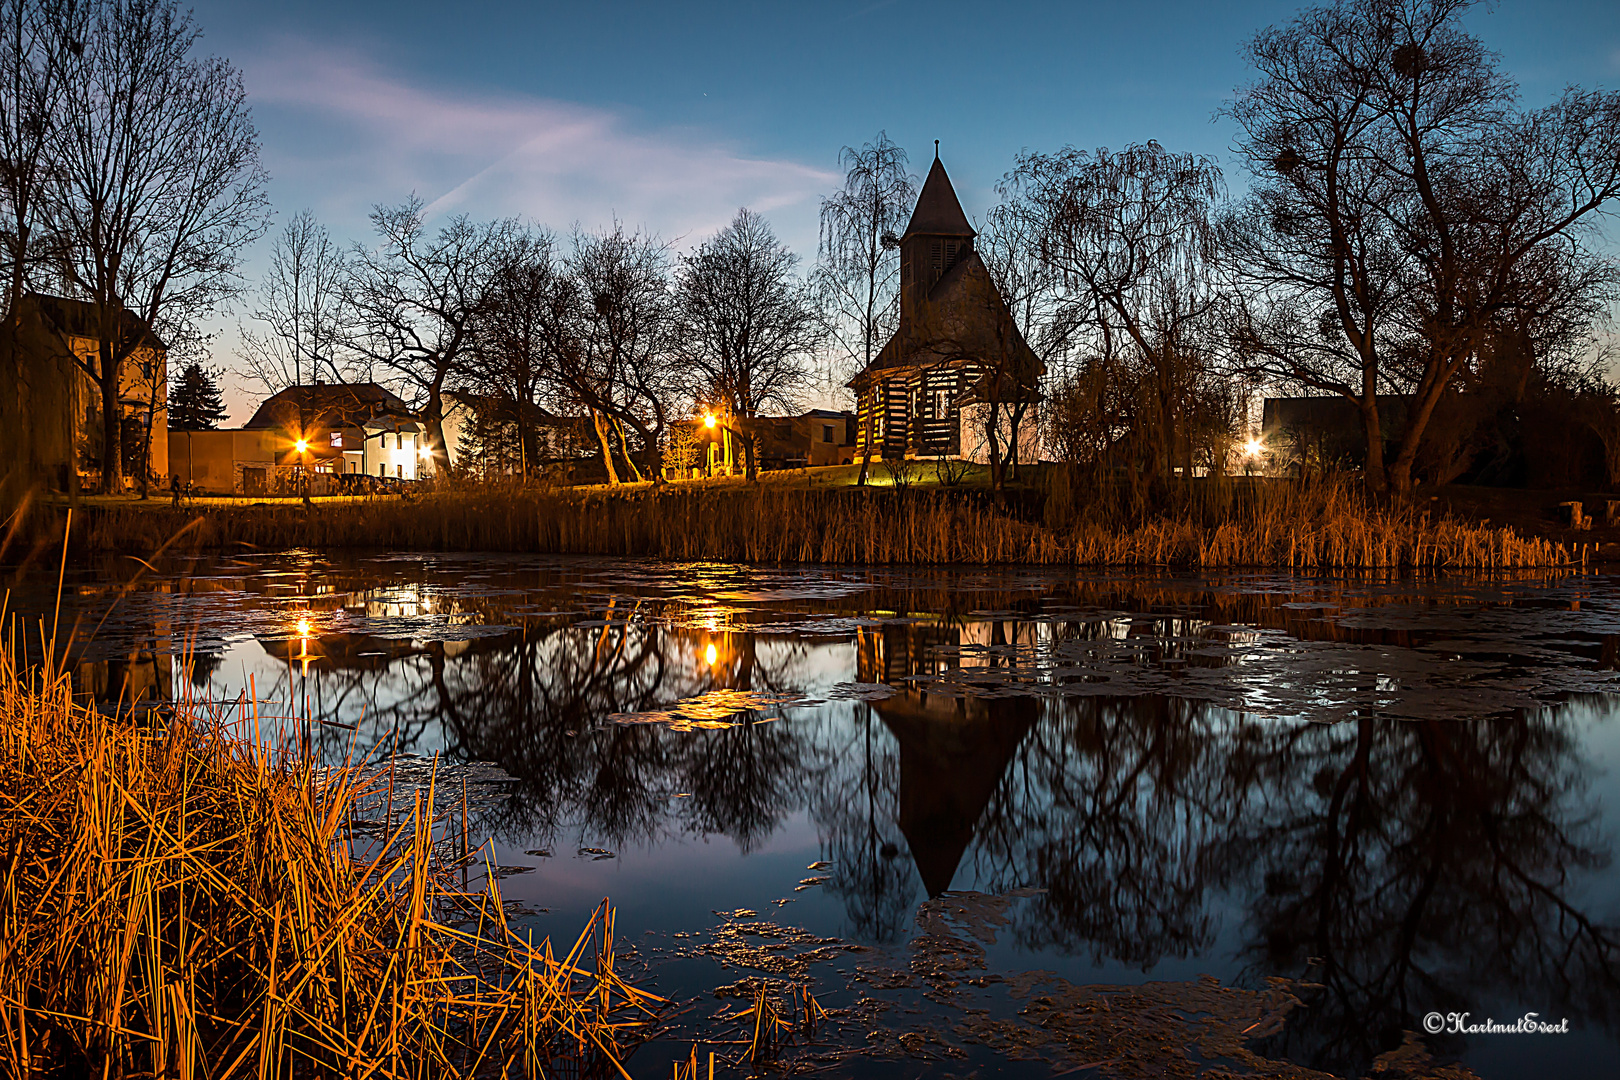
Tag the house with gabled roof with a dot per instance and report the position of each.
(957, 358)
(342, 429)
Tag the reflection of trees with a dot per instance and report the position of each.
(855, 803)
(537, 708)
(1110, 806)
(1428, 865)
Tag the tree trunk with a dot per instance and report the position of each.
(866, 443)
(598, 421)
(146, 442)
(624, 447)
(750, 445)
(112, 435)
(1417, 421)
(998, 467)
(1375, 443)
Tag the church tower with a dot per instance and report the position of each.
(937, 237)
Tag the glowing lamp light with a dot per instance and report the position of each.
(425, 452)
(303, 628)
(1252, 448)
(301, 445)
(712, 655)
(708, 420)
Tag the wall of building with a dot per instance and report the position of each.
(232, 461)
(396, 454)
(50, 410)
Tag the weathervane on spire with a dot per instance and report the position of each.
(936, 149)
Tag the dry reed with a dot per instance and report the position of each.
(183, 898)
(1321, 527)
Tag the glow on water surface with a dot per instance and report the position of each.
(913, 789)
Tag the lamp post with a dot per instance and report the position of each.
(301, 446)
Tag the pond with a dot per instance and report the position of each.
(963, 805)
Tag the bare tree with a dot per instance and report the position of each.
(745, 324)
(34, 43)
(1403, 214)
(615, 360)
(1010, 246)
(299, 307)
(157, 188)
(414, 299)
(518, 333)
(859, 269)
(36, 38)
(1131, 235)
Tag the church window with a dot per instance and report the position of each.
(935, 251)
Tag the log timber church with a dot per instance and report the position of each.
(957, 354)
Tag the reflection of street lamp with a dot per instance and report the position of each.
(303, 656)
(712, 655)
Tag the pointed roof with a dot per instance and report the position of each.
(939, 212)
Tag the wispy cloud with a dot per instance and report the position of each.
(342, 133)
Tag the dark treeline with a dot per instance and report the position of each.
(1405, 231)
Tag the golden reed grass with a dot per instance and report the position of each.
(184, 899)
(1326, 526)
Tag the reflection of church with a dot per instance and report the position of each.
(953, 751)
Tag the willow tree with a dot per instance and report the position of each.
(1130, 237)
(859, 264)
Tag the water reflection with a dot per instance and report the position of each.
(1112, 755)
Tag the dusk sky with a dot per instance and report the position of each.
(672, 115)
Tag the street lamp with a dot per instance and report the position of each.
(708, 420)
(301, 445)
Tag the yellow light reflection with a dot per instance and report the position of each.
(303, 656)
(712, 654)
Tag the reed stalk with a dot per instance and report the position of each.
(184, 897)
(1322, 526)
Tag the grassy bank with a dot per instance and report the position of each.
(1327, 525)
(180, 901)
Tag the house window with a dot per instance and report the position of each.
(337, 439)
(399, 471)
(382, 470)
(826, 433)
(399, 442)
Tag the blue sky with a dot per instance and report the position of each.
(671, 115)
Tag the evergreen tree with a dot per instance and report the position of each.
(195, 401)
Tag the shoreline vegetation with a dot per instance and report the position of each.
(183, 899)
(1324, 524)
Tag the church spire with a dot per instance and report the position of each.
(938, 212)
